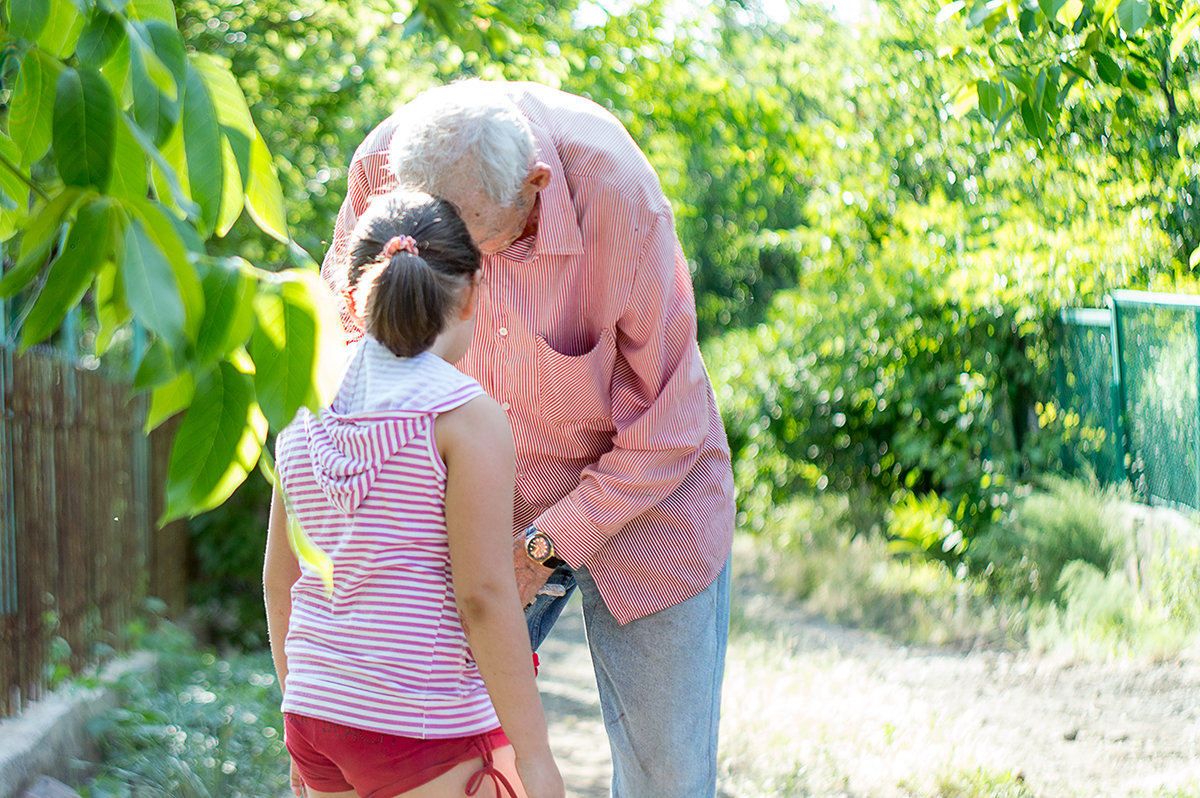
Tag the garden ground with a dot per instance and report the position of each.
(816, 709)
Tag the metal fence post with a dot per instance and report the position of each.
(1195, 447)
(1119, 394)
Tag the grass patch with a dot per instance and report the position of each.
(1075, 569)
(203, 726)
(979, 783)
(852, 578)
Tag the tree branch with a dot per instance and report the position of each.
(24, 178)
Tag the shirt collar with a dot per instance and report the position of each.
(557, 230)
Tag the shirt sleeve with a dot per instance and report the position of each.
(660, 395)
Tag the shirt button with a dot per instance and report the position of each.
(504, 406)
(503, 331)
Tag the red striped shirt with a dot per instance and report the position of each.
(586, 334)
(386, 651)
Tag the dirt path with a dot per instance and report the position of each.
(814, 709)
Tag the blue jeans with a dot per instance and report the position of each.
(659, 679)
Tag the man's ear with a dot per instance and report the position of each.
(539, 176)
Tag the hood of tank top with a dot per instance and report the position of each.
(382, 402)
(349, 452)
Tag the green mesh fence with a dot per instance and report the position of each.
(1087, 393)
(1157, 342)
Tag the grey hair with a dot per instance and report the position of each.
(464, 131)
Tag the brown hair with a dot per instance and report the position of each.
(405, 299)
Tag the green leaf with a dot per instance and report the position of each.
(233, 196)
(202, 147)
(264, 195)
(1051, 7)
(237, 129)
(991, 98)
(162, 10)
(1183, 32)
(104, 33)
(156, 367)
(1069, 11)
(1050, 92)
(155, 111)
(218, 442)
(131, 178)
(1027, 22)
(17, 191)
(1020, 80)
(168, 46)
(1132, 15)
(112, 311)
(116, 71)
(31, 116)
(40, 235)
(1107, 68)
(88, 246)
(164, 171)
(1138, 80)
(26, 18)
(168, 234)
(153, 67)
(227, 97)
(170, 398)
(85, 117)
(284, 348)
(61, 34)
(1036, 121)
(229, 310)
(150, 286)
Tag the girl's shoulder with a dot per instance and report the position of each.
(478, 426)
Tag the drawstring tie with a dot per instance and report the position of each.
(489, 769)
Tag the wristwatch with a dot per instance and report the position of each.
(540, 548)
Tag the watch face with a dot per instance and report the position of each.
(538, 547)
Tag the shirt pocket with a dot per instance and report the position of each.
(574, 390)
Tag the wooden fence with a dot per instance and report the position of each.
(78, 548)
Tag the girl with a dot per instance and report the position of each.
(412, 675)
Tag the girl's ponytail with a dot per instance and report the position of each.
(410, 258)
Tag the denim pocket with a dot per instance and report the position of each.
(545, 609)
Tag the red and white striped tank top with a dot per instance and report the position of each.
(386, 650)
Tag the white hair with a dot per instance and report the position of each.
(461, 135)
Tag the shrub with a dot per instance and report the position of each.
(203, 727)
(227, 547)
(1066, 522)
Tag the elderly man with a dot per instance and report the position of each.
(586, 334)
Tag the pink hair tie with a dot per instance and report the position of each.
(400, 244)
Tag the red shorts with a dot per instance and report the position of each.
(335, 758)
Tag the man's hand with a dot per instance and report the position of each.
(531, 576)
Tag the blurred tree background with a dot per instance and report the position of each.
(884, 211)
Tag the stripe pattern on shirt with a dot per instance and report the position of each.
(386, 650)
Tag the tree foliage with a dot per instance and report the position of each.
(1113, 77)
(122, 152)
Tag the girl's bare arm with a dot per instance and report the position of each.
(476, 443)
(280, 571)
